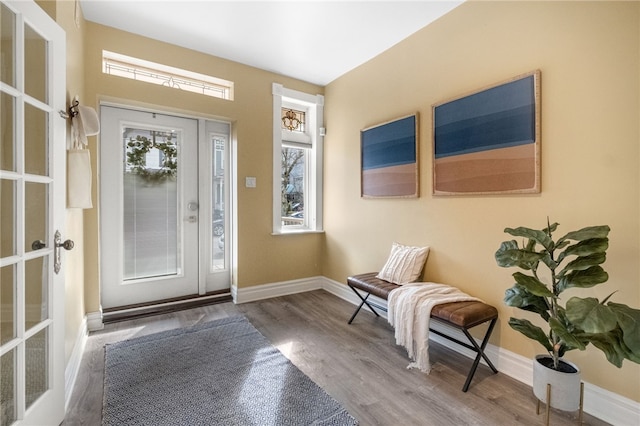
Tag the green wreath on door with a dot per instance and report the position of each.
(138, 149)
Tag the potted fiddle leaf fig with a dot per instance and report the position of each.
(549, 268)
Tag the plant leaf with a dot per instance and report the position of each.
(612, 345)
(563, 244)
(518, 297)
(583, 279)
(584, 262)
(565, 335)
(533, 285)
(586, 233)
(531, 331)
(509, 255)
(590, 315)
(629, 321)
(541, 237)
(585, 248)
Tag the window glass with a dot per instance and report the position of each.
(294, 173)
(151, 72)
(293, 120)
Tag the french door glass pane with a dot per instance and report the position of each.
(7, 135)
(152, 229)
(35, 52)
(7, 218)
(7, 45)
(35, 140)
(7, 388)
(36, 295)
(36, 366)
(36, 214)
(8, 302)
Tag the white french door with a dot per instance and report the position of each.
(157, 184)
(32, 210)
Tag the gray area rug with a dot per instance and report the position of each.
(222, 372)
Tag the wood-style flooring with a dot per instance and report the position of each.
(358, 364)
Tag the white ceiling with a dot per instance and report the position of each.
(314, 41)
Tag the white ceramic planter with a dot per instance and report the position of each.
(565, 387)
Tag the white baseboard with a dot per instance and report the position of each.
(73, 366)
(267, 291)
(598, 402)
(94, 321)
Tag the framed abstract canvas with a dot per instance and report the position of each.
(488, 142)
(389, 159)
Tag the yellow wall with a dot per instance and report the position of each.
(589, 56)
(262, 258)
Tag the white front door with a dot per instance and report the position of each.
(32, 209)
(149, 206)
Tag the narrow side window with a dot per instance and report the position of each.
(297, 157)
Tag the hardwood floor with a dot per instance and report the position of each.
(358, 364)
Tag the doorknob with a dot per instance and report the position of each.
(193, 206)
(67, 245)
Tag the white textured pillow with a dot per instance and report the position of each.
(404, 264)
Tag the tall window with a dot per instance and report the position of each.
(297, 156)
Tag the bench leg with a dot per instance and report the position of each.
(364, 301)
(481, 354)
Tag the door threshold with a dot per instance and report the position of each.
(122, 313)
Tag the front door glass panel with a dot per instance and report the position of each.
(152, 229)
(218, 198)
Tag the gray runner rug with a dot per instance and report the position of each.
(222, 372)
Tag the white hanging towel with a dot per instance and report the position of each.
(84, 123)
(79, 179)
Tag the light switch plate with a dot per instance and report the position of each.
(250, 182)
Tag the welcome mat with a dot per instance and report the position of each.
(222, 372)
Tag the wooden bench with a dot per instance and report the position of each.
(460, 315)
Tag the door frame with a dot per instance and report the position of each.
(204, 151)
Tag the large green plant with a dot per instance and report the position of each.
(551, 267)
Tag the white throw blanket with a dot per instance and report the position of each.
(409, 311)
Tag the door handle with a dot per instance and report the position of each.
(192, 207)
(57, 242)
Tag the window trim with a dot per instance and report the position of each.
(313, 138)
